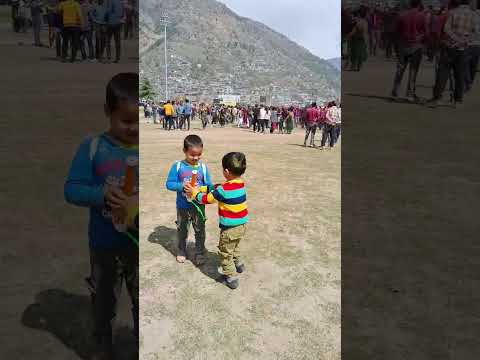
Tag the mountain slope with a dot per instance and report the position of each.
(337, 62)
(214, 51)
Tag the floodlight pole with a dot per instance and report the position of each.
(164, 21)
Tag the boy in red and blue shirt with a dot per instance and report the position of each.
(179, 176)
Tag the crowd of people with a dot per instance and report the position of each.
(447, 36)
(261, 119)
(85, 26)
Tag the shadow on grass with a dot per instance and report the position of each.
(49, 58)
(424, 86)
(167, 237)
(421, 102)
(302, 146)
(69, 318)
(183, 130)
(389, 99)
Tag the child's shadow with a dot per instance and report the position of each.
(69, 318)
(167, 237)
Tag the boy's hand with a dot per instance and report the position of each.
(190, 190)
(115, 197)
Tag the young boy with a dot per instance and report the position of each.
(179, 176)
(95, 180)
(99, 25)
(232, 212)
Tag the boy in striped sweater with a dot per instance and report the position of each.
(232, 212)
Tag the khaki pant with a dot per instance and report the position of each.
(229, 248)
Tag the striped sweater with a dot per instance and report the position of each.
(232, 202)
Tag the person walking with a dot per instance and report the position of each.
(114, 20)
(338, 122)
(255, 115)
(168, 111)
(262, 115)
(187, 113)
(311, 124)
(86, 35)
(72, 22)
(56, 21)
(412, 33)
(36, 13)
(389, 28)
(14, 14)
(358, 37)
(129, 16)
(289, 120)
(274, 120)
(154, 112)
(331, 119)
(100, 28)
(473, 54)
(458, 34)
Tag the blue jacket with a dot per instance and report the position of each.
(176, 179)
(85, 182)
(115, 12)
(187, 109)
(98, 14)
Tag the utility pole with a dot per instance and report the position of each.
(164, 21)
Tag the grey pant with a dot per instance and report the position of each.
(412, 57)
(36, 24)
(86, 36)
(114, 31)
(311, 129)
(450, 59)
(109, 268)
(472, 59)
(184, 218)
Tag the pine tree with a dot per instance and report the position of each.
(146, 90)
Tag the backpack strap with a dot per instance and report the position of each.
(93, 147)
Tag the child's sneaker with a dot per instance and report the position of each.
(230, 281)
(240, 268)
(181, 259)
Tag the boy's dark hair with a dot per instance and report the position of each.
(122, 87)
(192, 141)
(235, 162)
(415, 3)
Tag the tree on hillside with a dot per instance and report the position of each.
(146, 90)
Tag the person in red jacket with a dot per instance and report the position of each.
(412, 31)
(311, 124)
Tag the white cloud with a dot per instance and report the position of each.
(314, 24)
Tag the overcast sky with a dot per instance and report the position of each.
(314, 24)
